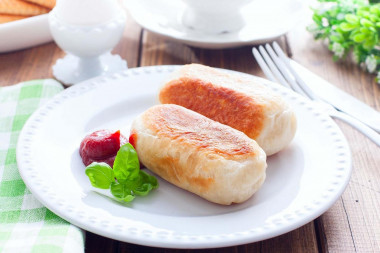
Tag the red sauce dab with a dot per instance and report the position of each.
(133, 139)
(101, 146)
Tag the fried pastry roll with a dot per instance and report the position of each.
(193, 152)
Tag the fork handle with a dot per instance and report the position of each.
(364, 129)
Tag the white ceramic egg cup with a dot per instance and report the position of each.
(88, 49)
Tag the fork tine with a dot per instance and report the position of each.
(269, 63)
(263, 65)
(284, 71)
(299, 80)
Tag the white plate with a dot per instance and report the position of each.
(303, 180)
(265, 21)
(24, 33)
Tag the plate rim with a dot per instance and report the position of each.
(38, 23)
(163, 239)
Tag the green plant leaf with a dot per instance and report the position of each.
(336, 38)
(365, 22)
(353, 25)
(122, 192)
(362, 12)
(145, 184)
(130, 180)
(359, 38)
(368, 44)
(352, 19)
(365, 30)
(126, 165)
(347, 26)
(100, 174)
(375, 9)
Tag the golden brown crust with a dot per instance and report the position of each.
(212, 160)
(18, 7)
(224, 105)
(193, 129)
(45, 3)
(4, 18)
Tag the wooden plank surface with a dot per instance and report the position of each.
(351, 225)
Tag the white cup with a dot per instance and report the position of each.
(214, 16)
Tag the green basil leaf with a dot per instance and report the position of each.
(100, 174)
(126, 165)
(145, 184)
(122, 192)
(131, 181)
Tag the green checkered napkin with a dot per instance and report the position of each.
(26, 225)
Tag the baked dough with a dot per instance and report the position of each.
(240, 102)
(212, 160)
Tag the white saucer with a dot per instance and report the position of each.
(265, 21)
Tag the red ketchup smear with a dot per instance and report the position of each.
(101, 146)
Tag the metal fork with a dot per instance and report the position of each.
(277, 68)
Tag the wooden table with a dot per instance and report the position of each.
(352, 224)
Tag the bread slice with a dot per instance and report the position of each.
(18, 7)
(45, 3)
(4, 18)
(240, 102)
(212, 160)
